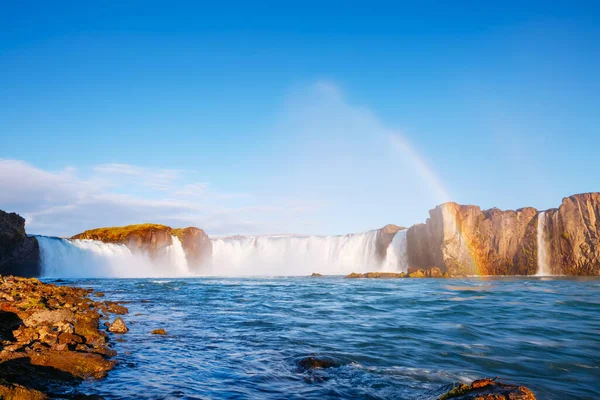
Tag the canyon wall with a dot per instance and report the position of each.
(465, 240)
(573, 235)
(458, 239)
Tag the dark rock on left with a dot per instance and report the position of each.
(19, 253)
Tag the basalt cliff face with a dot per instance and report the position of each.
(19, 254)
(465, 240)
(572, 235)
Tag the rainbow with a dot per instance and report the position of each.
(427, 173)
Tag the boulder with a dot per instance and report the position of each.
(19, 253)
(485, 389)
(159, 331)
(13, 391)
(118, 326)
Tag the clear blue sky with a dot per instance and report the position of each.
(265, 118)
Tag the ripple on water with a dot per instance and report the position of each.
(331, 338)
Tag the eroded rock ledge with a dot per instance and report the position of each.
(50, 337)
(485, 389)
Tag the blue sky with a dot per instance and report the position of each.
(270, 118)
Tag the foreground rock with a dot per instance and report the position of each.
(12, 391)
(19, 254)
(50, 335)
(118, 326)
(486, 389)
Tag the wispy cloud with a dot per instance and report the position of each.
(336, 167)
(67, 202)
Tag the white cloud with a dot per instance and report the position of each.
(59, 203)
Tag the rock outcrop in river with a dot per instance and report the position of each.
(50, 337)
(19, 254)
(148, 238)
(152, 239)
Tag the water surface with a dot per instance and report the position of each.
(245, 337)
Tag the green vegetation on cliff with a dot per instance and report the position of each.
(120, 233)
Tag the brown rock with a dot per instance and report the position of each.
(118, 326)
(69, 338)
(377, 275)
(159, 331)
(80, 365)
(12, 391)
(50, 317)
(572, 234)
(487, 389)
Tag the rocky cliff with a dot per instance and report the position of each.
(19, 254)
(465, 240)
(153, 238)
(385, 236)
(572, 235)
(148, 238)
(196, 244)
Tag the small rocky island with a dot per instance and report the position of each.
(50, 337)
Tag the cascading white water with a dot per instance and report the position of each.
(542, 255)
(64, 258)
(397, 257)
(233, 256)
(300, 255)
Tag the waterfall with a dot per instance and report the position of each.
(397, 253)
(542, 255)
(231, 256)
(301, 255)
(65, 258)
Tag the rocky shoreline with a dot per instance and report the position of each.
(51, 338)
